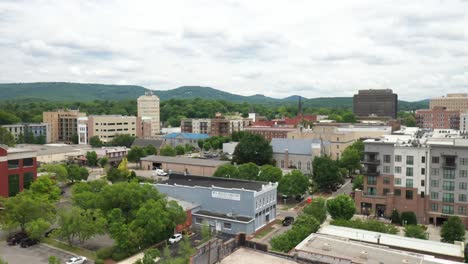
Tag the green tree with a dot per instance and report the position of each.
(135, 154)
(358, 182)
(2, 261)
(227, 171)
(410, 121)
(186, 250)
(74, 138)
(92, 158)
(415, 231)
(54, 260)
(350, 159)
(237, 136)
(452, 230)
(269, 173)
(189, 148)
(395, 217)
(36, 228)
(7, 118)
(293, 184)
(349, 117)
(408, 218)
(205, 232)
(341, 207)
(248, 171)
(149, 256)
(60, 171)
(180, 150)
(206, 146)
(167, 150)
(103, 161)
(6, 138)
(253, 148)
(150, 150)
(77, 173)
(326, 173)
(317, 209)
(95, 142)
(122, 140)
(200, 143)
(81, 224)
(20, 139)
(41, 139)
(46, 188)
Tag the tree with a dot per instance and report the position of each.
(358, 182)
(180, 150)
(227, 171)
(248, 171)
(41, 139)
(341, 207)
(206, 146)
(205, 232)
(415, 231)
(408, 218)
(54, 260)
(326, 173)
(269, 173)
(122, 140)
(60, 171)
(317, 209)
(452, 230)
(77, 173)
(103, 161)
(150, 150)
(185, 249)
(135, 154)
(36, 228)
(200, 143)
(395, 217)
(349, 117)
(74, 138)
(149, 256)
(46, 188)
(350, 159)
(7, 118)
(189, 148)
(253, 148)
(92, 158)
(167, 150)
(95, 142)
(410, 121)
(81, 224)
(293, 184)
(6, 138)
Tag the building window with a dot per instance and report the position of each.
(282, 164)
(409, 160)
(27, 179)
(386, 180)
(448, 186)
(409, 172)
(386, 169)
(435, 159)
(423, 159)
(449, 173)
(463, 161)
(397, 192)
(397, 169)
(434, 207)
(434, 195)
(227, 225)
(371, 180)
(397, 181)
(198, 220)
(308, 165)
(387, 158)
(447, 209)
(409, 183)
(462, 197)
(434, 171)
(423, 183)
(462, 186)
(13, 185)
(371, 191)
(448, 197)
(28, 162)
(385, 191)
(397, 158)
(409, 195)
(423, 171)
(461, 210)
(299, 165)
(13, 164)
(422, 194)
(463, 173)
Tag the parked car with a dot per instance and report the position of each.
(77, 260)
(159, 172)
(27, 242)
(16, 238)
(288, 220)
(175, 238)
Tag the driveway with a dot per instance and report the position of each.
(36, 254)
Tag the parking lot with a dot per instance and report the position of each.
(36, 254)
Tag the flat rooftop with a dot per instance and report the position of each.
(186, 161)
(190, 180)
(248, 256)
(50, 149)
(239, 218)
(184, 204)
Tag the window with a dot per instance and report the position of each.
(13, 185)
(397, 192)
(397, 181)
(434, 207)
(371, 191)
(385, 191)
(372, 180)
(435, 159)
(198, 220)
(386, 169)
(13, 164)
(409, 195)
(462, 210)
(423, 171)
(463, 161)
(447, 209)
(462, 197)
(449, 173)
(28, 162)
(422, 183)
(397, 169)
(423, 159)
(386, 180)
(409, 160)
(27, 179)
(409, 172)
(462, 186)
(387, 158)
(448, 185)
(463, 173)
(299, 165)
(435, 171)
(227, 225)
(397, 158)
(308, 165)
(422, 194)
(409, 183)
(434, 195)
(434, 183)
(448, 197)
(282, 164)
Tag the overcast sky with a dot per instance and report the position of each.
(276, 48)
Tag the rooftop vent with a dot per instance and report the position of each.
(363, 255)
(405, 261)
(326, 247)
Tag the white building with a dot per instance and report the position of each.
(148, 106)
(464, 121)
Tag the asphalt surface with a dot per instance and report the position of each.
(39, 254)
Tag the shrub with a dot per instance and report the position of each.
(302, 227)
(369, 225)
(118, 256)
(408, 218)
(99, 261)
(415, 231)
(105, 253)
(341, 207)
(395, 217)
(317, 209)
(452, 230)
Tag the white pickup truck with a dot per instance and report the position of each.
(159, 172)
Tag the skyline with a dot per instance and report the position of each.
(278, 49)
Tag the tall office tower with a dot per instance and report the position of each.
(148, 110)
(63, 124)
(382, 103)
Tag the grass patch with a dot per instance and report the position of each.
(76, 250)
(264, 232)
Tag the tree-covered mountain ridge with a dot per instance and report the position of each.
(85, 92)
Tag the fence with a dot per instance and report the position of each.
(214, 250)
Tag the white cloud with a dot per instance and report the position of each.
(277, 48)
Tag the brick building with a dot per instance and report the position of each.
(18, 169)
(63, 124)
(270, 132)
(438, 118)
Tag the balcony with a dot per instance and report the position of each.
(370, 161)
(449, 165)
(371, 172)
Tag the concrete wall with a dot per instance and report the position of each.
(175, 167)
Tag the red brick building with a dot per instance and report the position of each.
(438, 118)
(270, 132)
(18, 169)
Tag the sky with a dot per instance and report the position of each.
(311, 48)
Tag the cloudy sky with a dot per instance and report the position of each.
(278, 48)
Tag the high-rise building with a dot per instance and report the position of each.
(438, 118)
(381, 102)
(106, 127)
(148, 110)
(456, 101)
(63, 124)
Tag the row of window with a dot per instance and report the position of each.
(448, 197)
(113, 124)
(265, 201)
(14, 164)
(434, 159)
(226, 225)
(396, 192)
(14, 183)
(448, 209)
(299, 164)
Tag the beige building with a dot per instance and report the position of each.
(148, 107)
(199, 167)
(63, 124)
(455, 101)
(106, 127)
(340, 136)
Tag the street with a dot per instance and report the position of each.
(37, 254)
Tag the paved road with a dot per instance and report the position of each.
(37, 254)
(347, 188)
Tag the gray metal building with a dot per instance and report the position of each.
(227, 205)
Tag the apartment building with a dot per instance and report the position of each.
(464, 121)
(438, 118)
(270, 132)
(36, 130)
(380, 102)
(455, 101)
(218, 126)
(63, 124)
(18, 169)
(148, 110)
(425, 172)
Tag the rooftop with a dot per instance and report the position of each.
(186, 135)
(184, 204)
(249, 256)
(296, 146)
(50, 149)
(139, 142)
(239, 218)
(190, 180)
(186, 161)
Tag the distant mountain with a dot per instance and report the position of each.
(60, 91)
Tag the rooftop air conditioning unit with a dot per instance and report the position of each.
(405, 261)
(363, 255)
(326, 247)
